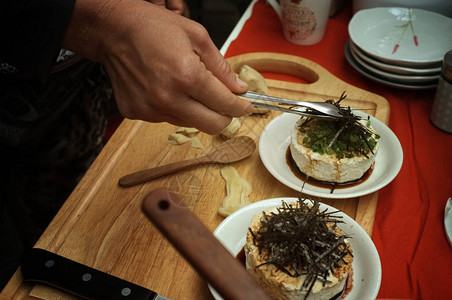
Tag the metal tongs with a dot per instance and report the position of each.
(303, 108)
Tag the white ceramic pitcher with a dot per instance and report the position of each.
(303, 21)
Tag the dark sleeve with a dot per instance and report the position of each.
(31, 32)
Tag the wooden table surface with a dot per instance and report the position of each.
(102, 225)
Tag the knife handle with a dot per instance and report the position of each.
(200, 248)
(46, 267)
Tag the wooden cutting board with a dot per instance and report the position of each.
(101, 224)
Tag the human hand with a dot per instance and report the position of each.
(163, 67)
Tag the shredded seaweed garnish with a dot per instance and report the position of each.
(297, 241)
(344, 137)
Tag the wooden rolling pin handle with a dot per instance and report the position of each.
(200, 248)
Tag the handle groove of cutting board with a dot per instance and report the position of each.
(302, 68)
(200, 248)
(280, 63)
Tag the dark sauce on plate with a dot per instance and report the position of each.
(341, 295)
(241, 256)
(324, 184)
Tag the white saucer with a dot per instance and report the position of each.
(366, 263)
(378, 30)
(393, 68)
(409, 86)
(275, 140)
(410, 79)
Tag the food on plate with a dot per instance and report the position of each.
(232, 129)
(237, 191)
(297, 251)
(334, 150)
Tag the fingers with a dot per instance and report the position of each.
(163, 104)
(214, 61)
(176, 6)
(187, 112)
(217, 78)
(208, 89)
(195, 114)
(216, 96)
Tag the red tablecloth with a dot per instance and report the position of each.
(408, 232)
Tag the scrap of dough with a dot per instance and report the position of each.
(196, 143)
(256, 82)
(237, 191)
(184, 135)
(232, 129)
(178, 138)
(188, 131)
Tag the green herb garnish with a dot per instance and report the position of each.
(298, 241)
(344, 137)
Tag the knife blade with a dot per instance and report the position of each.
(42, 266)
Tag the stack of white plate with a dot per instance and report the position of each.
(400, 47)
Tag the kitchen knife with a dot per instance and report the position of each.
(46, 267)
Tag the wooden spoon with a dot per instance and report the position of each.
(233, 150)
(200, 248)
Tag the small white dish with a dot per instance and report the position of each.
(448, 221)
(366, 263)
(408, 86)
(275, 140)
(394, 77)
(378, 31)
(393, 68)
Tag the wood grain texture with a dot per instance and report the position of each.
(102, 225)
(233, 150)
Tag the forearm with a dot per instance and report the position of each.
(94, 27)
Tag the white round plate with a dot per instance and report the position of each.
(366, 263)
(393, 68)
(409, 86)
(378, 30)
(275, 140)
(394, 77)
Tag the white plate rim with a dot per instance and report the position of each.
(273, 147)
(231, 232)
(398, 58)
